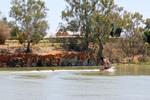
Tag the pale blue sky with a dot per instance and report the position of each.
(56, 6)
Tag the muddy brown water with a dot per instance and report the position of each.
(126, 82)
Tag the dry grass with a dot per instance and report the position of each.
(36, 49)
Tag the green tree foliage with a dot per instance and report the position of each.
(116, 22)
(30, 16)
(133, 42)
(21, 38)
(36, 38)
(147, 36)
(102, 22)
(147, 23)
(14, 34)
(94, 18)
(78, 15)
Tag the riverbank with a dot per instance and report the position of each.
(57, 59)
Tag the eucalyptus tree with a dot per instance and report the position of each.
(78, 15)
(4, 32)
(133, 41)
(30, 15)
(147, 23)
(116, 23)
(147, 30)
(102, 21)
(4, 29)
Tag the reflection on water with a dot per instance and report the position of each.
(127, 82)
(34, 76)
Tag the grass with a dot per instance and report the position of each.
(39, 44)
(12, 41)
(144, 63)
(50, 68)
(50, 44)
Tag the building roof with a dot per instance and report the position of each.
(59, 33)
(64, 34)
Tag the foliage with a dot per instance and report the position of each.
(78, 15)
(36, 38)
(133, 43)
(147, 23)
(92, 17)
(4, 32)
(116, 22)
(102, 22)
(147, 36)
(116, 33)
(30, 16)
(15, 30)
(21, 39)
(143, 58)
(76, 45)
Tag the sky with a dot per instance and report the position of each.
(57, 6)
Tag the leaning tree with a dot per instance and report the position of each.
(102, 20)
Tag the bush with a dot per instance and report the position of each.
(143, 58)
(113, 52)
(36, 38)
(77, 45)
(21, 39)
(147, 36)
(4, 32)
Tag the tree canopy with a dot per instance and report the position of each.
(30, 15)
(78, 15)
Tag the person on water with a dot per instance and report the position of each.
(53, 70)
(107, 66)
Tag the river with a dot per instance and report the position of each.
(126, 82)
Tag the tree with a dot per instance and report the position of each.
(116, 23)
(147, 36)
(36, 38)
(30, 16)
(102, 22)
(78, 15)
(4, 32)
(147, 23)
(147, 30)
(133, 41)
(4, 29)
(16, 31)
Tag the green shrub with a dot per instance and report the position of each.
(21, 39)
(77, 45)
(36, 38)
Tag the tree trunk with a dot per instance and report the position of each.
(100, 53)
(86, 43)
(28, 46)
